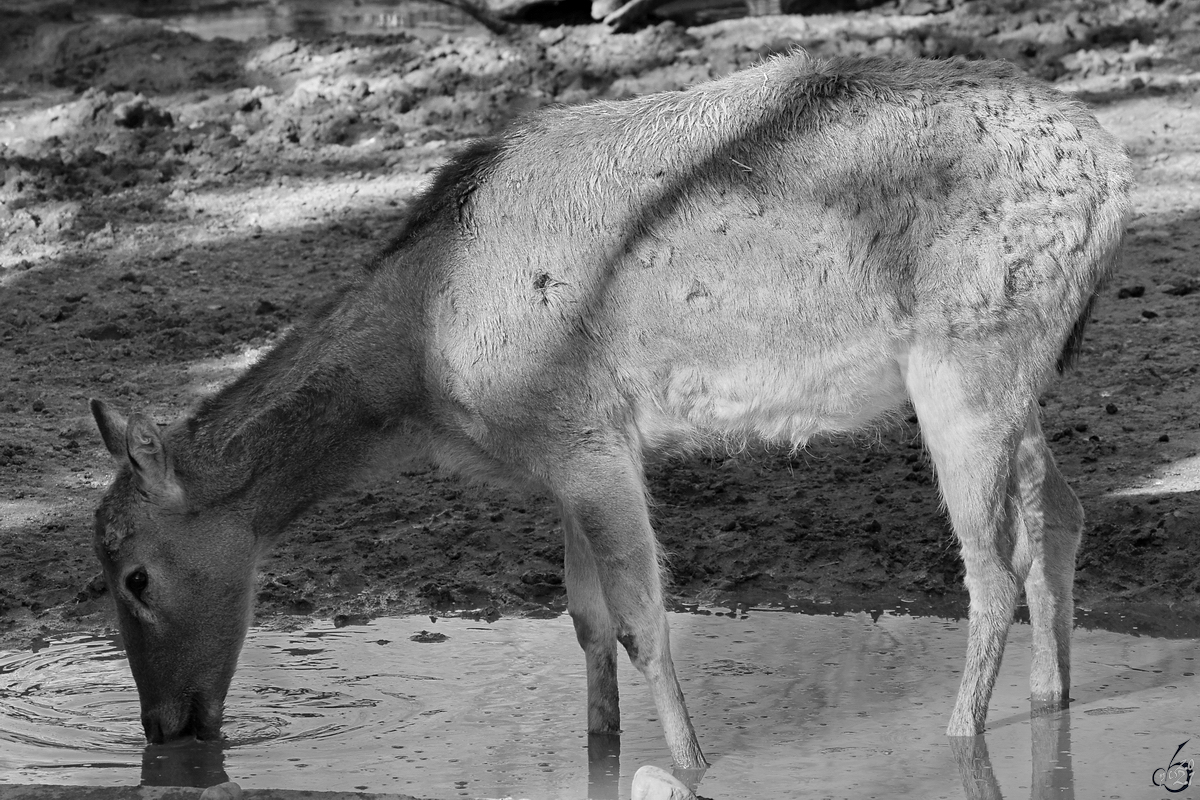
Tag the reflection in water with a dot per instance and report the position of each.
(1053, 775)
(604, 766)
(198, 764)
(786, 705)
(318, 19)
(975, 767)
(1051, 759)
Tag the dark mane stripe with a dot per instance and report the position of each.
(449, 191)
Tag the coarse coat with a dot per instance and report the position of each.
(801, 248)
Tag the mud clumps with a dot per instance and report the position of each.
(170, 205)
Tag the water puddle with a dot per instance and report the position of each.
(785, 705)
(306, 18)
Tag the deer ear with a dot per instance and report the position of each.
(138, 442)
(148, 456)
(112, 428)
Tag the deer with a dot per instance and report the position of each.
(804, 248)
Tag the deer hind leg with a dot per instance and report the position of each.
(1049, 524)
(594, 628)
(972, 432)
(604, 497)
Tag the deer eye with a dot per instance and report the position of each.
(136, 583)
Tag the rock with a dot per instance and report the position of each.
(422, 80)
(1131, 291)
(227, 165)
(532, 578)
(301, 607)
(277, 50)
(653, 783)
(918, 8)
(106, 332)
(103, 238)
(222, 791)
(139, 112)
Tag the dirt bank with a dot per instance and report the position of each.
(169, 206)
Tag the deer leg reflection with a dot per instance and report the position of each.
(1050, 730)
(196, 763)
(1052, 773)
(975, 768)
(604, 766)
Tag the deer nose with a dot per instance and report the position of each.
(152, 725)
(190, 718)
(205, 723)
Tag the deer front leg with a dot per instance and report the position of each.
(593, 628)
(605, 499)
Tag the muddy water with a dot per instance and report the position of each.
(786, 705)
(313, 18)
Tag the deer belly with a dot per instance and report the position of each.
(770, 401)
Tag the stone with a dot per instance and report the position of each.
(139, 112)
(653, 783)
(222, 791)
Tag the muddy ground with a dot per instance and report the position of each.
(170, 206)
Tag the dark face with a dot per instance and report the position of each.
(182, 583)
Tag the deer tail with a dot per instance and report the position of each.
(1071, 348)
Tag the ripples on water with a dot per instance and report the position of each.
(69, 708)
(841, 706)
(73, 695)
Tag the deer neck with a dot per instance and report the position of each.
(299, 423)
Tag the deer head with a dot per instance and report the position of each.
(181, 576)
